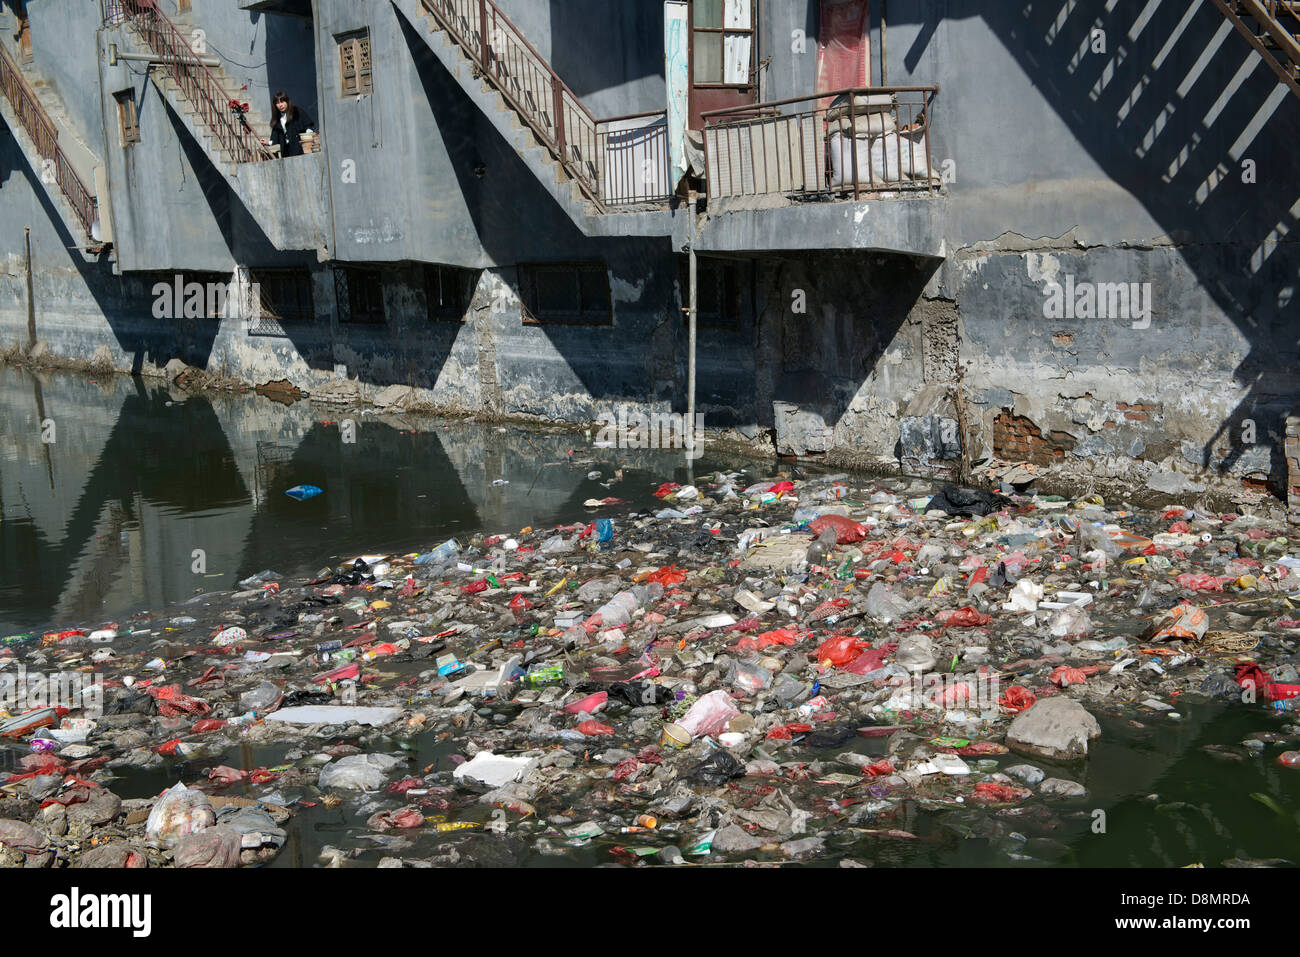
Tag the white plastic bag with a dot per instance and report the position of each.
(179, 812)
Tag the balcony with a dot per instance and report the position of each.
(830, 171)
(842, 145)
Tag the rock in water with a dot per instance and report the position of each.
(1055, 728)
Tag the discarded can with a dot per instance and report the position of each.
(544, 676)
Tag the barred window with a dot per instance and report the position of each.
(285, 294)
(360, 295)
(354, 63)
(572, 293)
(448, 290)
(724, 292)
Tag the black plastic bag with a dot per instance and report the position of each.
(967, 501)
(717, 769)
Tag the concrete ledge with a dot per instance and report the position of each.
(914, 226)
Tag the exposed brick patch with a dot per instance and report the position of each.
(1017, 439)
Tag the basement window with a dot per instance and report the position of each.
(566, 293)
(285, 294)
(354, 63)
(448, 291)
(724, 292)
(360, 295)
(128, 124)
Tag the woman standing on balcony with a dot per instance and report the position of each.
(287, 126)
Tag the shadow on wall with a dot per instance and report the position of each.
(1171, 116)
(634, 29)
(856, 303)
(112, 294)
(517, 220)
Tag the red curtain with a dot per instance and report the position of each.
(843, 45)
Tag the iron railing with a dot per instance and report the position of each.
(197, 83)
(45, 136)
(612, 163)
(635, 165)
(846, 143)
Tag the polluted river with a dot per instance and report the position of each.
(294, 636)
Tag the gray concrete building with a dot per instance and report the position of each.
(1059, 233)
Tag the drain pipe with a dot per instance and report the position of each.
(31, 296)
(692, 298)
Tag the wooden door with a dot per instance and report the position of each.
(724, 55)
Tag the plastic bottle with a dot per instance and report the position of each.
(820, 550)
(618, 610)
(445, 552)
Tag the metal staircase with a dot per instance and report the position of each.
(614, 162)
(1272, 27)
(201, 93)
(38, 135)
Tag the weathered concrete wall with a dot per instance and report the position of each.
(266, 52)
(56, 25)
(1164, 159)
(627, 76)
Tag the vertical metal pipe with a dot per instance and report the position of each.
(693, 303)
(853, 142)
(31, 303)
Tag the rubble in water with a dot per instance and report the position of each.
(785, 672)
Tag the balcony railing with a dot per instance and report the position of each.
(197, 83)
(841, 144)
(619, 161)
(41, 129)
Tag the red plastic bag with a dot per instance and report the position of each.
(1017, 699)
(847, 531)
(588, 704)
(1064, 676)
(406, 818)
(667, 575)
(663, 491)
(474, 587)
(990, 792)
(840, 651)
(963, 618)
(786, 731)
(222, 775)
(828, 608)
(872, 659)
(626, 768)
(879, 769)
(779, 636)
(592, 728)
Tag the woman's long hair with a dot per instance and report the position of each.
(292, 112)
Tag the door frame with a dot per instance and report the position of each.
(716, 96)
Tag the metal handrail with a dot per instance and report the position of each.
(542, 99)
(759, 148)
(197, 83)
(45, 136)
(829, 95)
